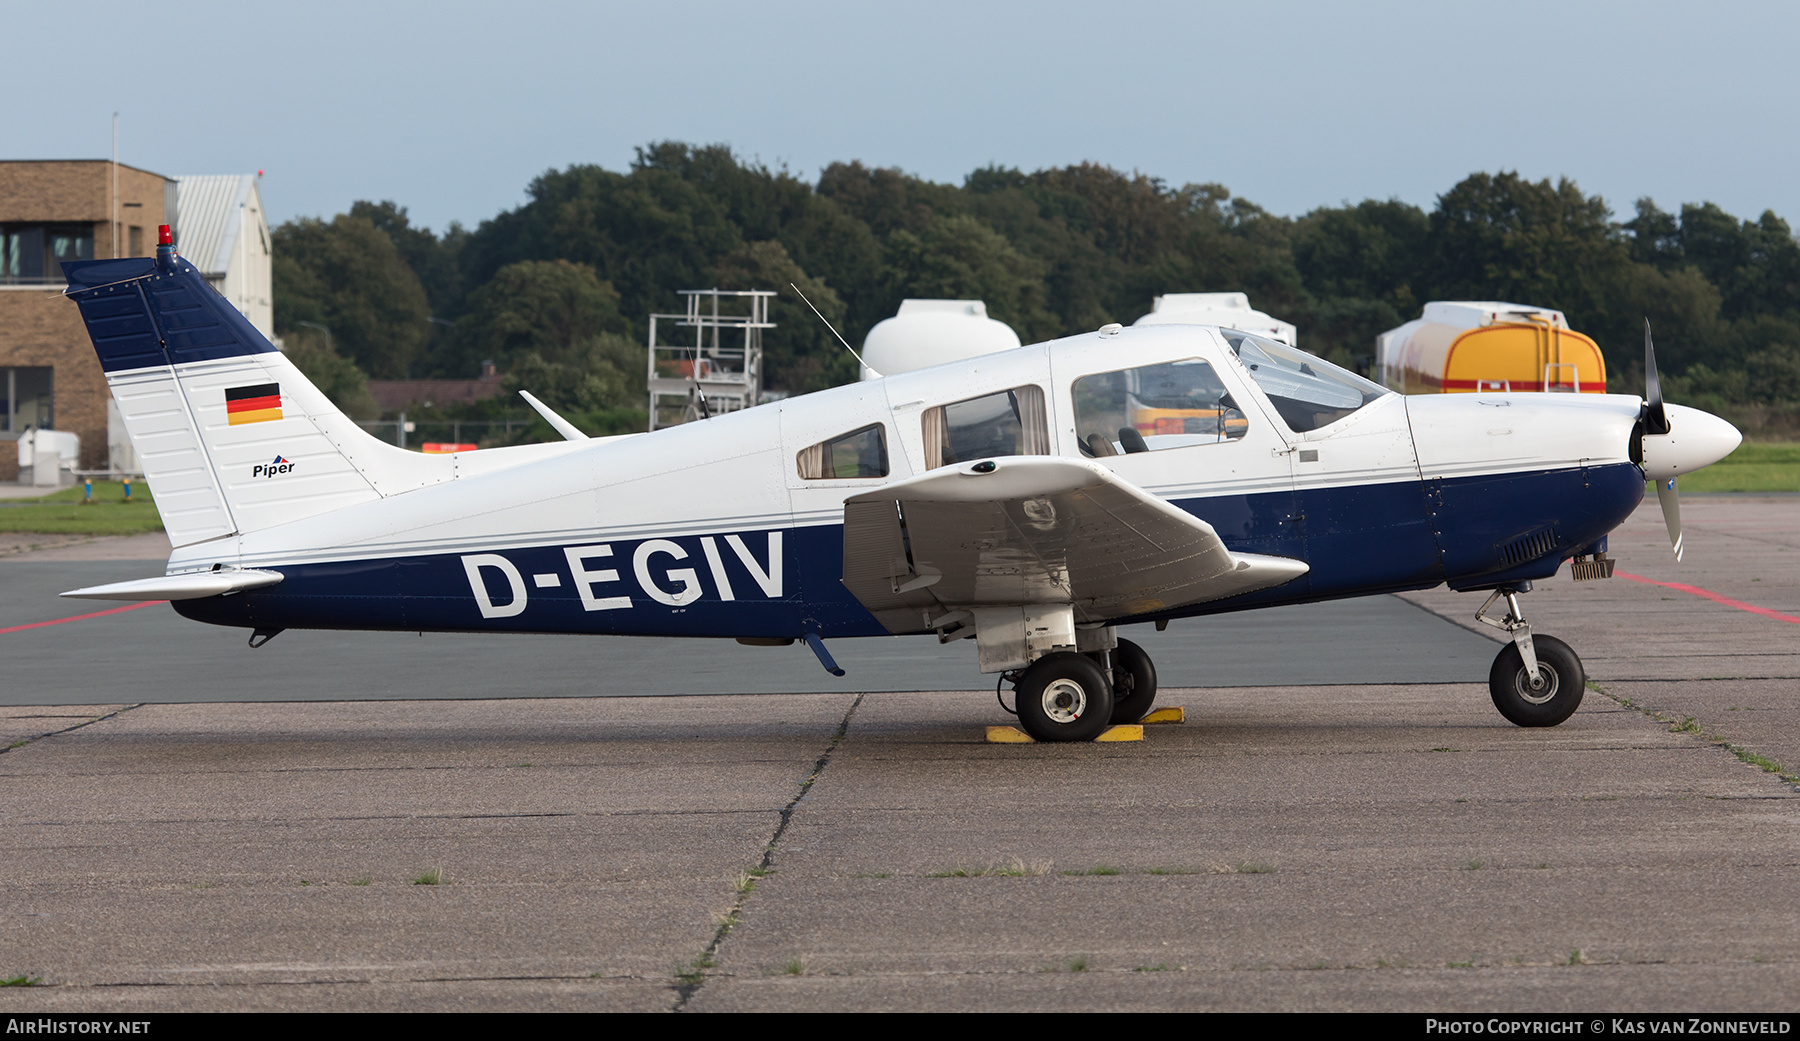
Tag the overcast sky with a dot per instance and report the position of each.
(451, 108)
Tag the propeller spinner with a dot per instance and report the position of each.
(1676, 440)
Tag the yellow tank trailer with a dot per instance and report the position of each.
(1458, 346)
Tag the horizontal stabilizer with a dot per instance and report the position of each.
(180, 587)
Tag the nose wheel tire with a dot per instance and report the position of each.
(1064, 697)
(1553, 698)
(1133, 683)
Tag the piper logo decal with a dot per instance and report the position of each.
(279, 466)
(258, 404)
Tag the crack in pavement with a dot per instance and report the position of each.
(1690, 726)
(86, 722)
(694, 976)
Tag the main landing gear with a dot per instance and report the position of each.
(1535, 682)
(1066, 696)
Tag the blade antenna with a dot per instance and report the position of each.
(694, 375)
(834, 332)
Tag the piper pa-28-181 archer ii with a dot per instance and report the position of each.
(1035, 499)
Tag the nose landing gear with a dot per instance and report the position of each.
(1534, 682)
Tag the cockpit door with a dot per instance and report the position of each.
(1185, 427)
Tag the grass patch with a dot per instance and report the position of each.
(1017, 869)
(432, 877)
(1248, 867)
(1459, 964)
(1097, 869)
(1756, 466)
(1576, 958)
(1475, 865)
(1162, 967)
(794, 967)
(1171, 871)
(1689, 726)
(64, 513)
(363, 881)
(694, 972)
(744, 883)
(1763, 762)
(23, 981)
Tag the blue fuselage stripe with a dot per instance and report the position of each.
(1358, 540)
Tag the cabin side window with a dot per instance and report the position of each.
(1172, 405)
(860, 453)
(1010, 422)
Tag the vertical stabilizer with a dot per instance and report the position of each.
(231, 436)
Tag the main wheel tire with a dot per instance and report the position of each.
(1064, 697)
(1133, 683)
(1564, 682)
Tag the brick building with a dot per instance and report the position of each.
(52, 211)
(57, 210)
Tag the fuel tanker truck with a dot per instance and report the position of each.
(1460, 346)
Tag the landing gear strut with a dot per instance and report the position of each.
(1133, 677)
(1534, 682)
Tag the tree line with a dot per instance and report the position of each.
(556, 292)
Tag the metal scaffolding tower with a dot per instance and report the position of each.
(724, 369)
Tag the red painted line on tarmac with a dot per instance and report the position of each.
(1707, 593)
(102, 614)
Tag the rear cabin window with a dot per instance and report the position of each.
(860, 453)
(1010, 422)
(1172, 405)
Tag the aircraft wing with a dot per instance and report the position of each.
(1035, 530)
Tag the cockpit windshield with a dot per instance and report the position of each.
(1308, 392)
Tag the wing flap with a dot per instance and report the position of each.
(1036, 530)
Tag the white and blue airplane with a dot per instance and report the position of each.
(1035, 499)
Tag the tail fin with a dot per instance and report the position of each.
(231, 436)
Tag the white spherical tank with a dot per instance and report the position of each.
(1229, 310)
(924, 333)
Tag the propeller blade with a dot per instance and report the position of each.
(1671, 509)
(1656, 420)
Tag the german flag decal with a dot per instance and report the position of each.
(257, 404)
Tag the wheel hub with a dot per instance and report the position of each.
(1539, 689)
(1064, 701)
